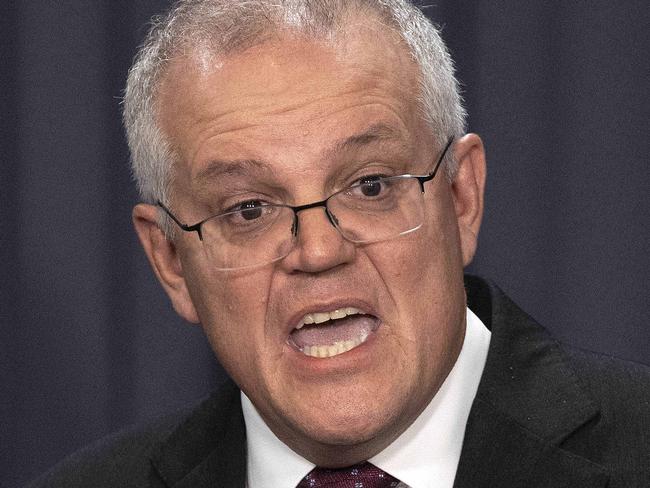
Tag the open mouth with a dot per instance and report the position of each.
(328, 334)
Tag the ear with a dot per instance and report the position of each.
(468, 188)
(164, 260)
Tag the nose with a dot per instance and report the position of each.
(319, 245)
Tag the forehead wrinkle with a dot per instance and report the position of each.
(312, 104)
(379, 133)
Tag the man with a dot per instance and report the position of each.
(311, 201)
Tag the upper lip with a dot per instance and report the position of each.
(296, 317)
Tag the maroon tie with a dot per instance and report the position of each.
(364, 475)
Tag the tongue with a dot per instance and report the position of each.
(332, 331)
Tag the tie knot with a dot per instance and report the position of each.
(364, 475)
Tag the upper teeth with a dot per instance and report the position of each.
(320, 317)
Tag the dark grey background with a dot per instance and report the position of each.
(88, 341)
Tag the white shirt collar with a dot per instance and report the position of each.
(426, 455)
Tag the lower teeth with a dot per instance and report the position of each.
(335, 349)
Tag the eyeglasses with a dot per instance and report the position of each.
(256, 233)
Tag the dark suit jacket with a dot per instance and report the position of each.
(544, 416)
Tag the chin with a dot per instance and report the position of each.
(349, 441)
(349, 427)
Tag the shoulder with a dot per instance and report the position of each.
(121, 459)
(151, 455)
(589, 405)
(622, 383)
(619, 436)
(621, 391)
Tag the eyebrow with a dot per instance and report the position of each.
(219, 168)
(379, 132)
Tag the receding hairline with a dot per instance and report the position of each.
(209, 54)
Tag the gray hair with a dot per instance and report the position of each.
(225, 26)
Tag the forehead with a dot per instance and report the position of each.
(289, 95)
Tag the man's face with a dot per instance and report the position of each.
(292, 121)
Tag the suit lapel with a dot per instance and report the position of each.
(528, 402)
(497, 451)
(209, 448)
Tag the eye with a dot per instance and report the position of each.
(371, 185)
(249, 210)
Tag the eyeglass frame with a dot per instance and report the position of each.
(422, 179)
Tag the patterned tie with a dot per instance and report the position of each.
(364, 475)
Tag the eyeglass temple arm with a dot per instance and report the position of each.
(187, 228)
(429, 177)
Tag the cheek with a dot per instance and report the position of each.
(417, 265)
(232, 310)
(423, 275)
